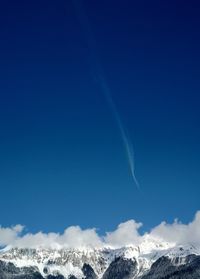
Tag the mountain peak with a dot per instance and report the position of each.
(71, 261)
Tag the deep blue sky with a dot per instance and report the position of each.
(62, 160)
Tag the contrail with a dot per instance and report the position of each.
(99, 77)
(127, 144)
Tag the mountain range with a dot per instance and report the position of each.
(151, 259)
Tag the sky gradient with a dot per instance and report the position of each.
(62, 160)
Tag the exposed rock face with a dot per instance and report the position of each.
(165, 268)
(10, 271)
(124, 263)
(56, 277)
(88, 272)
(121, 268)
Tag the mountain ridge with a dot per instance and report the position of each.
(128, 262)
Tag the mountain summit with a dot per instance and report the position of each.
(149, 260)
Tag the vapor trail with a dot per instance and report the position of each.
(99, 77)
(127, 144)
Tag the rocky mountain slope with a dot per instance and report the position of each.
(149, 260)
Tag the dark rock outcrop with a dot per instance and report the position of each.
(121, 268)
(10, 271)
(164, 268)
(55, 277)
(88, 272)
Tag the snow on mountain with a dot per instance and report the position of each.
(70, 261)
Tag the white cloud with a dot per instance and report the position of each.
(178, 232)
(8, 235)
(72, 237)
(76, 237)
(126, 234)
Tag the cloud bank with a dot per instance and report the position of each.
(126, 233)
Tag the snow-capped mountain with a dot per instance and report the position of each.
(150, 259)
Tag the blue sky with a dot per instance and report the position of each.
(62, 157)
